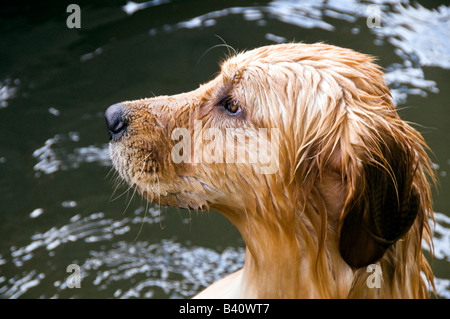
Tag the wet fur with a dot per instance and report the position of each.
(347, 163)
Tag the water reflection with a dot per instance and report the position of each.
(53, 155)
(137, 269)
(121, 268)
(8, 90)
(177, 270)
(418, 33)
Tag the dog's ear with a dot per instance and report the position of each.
(382, 203)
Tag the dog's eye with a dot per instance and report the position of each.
(231, 105)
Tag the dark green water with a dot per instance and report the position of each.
(56, 185)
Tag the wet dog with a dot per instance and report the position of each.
(301, 148)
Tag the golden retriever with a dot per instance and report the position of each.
(301, 148)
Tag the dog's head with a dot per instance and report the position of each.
(285, 134)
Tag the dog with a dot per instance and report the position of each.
(339, 201)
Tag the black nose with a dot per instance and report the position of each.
(116, 121)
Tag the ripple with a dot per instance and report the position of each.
(90, 55)
(441, 237)
(418, 32)
(442, 287)
(131, 7)
(167, 266)
(92, 228)
(125, 269)
(143, 269)
(53, 155)
(8, 90)
(404, 80)
(36, 212)
(21, 284)
(306, 14)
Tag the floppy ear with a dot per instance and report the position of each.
(382, 204)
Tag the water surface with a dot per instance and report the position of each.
(59, 203)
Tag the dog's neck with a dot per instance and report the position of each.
(272, 266)
(280, 260)
(278, 266)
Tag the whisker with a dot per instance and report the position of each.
(111, 170)
(218, 46)
(134, 191)
(123, 193)
(145, 158)
(120, 180)
(227, 45)
(129, 202)
(143, 221)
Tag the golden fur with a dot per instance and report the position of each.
(310, 227)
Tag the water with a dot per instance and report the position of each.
(59, 205)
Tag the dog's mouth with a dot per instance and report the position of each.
(139, 168)
(136, 166)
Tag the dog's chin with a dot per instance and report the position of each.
(183, 192)
(159, 199)
(180, 199)
(155, 189)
